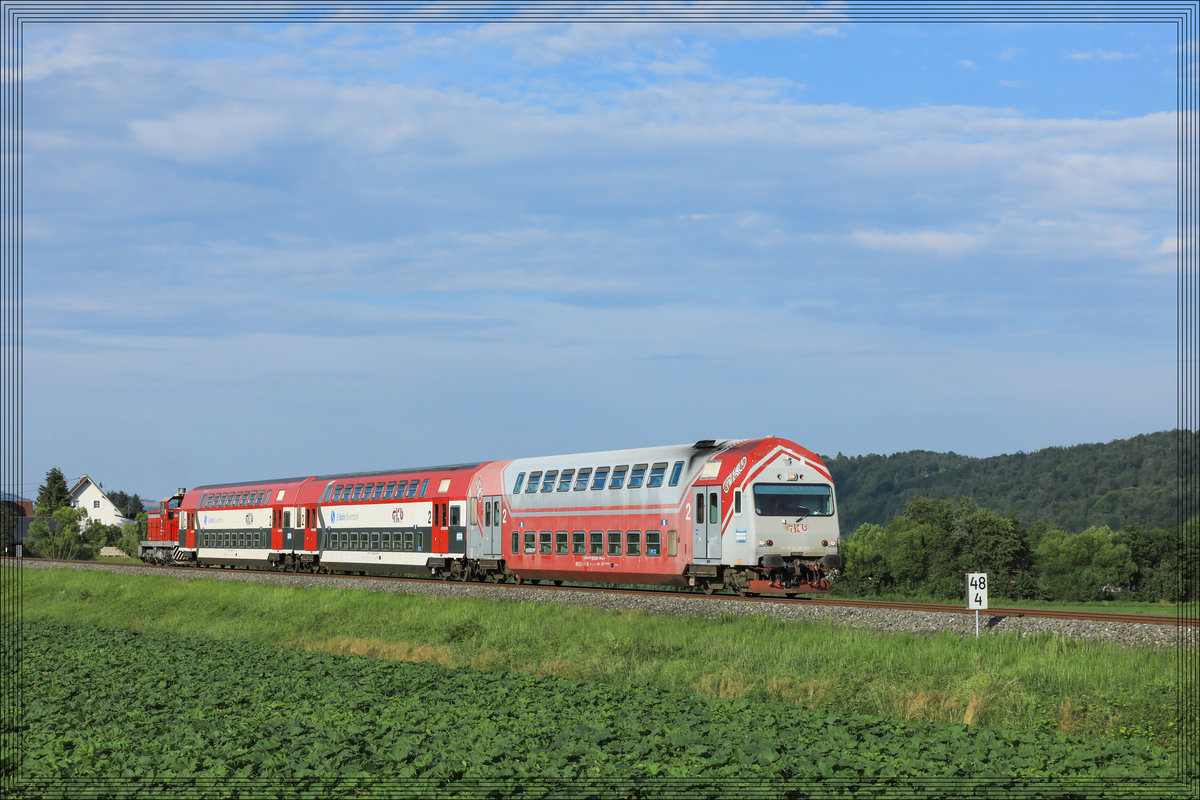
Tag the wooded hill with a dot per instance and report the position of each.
(1127, 481)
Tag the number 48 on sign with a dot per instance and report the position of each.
(976, 590)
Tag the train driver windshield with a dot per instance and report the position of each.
(792, 500)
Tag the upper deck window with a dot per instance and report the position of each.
(601, 477)
(367, 491)
(548, 484)
(676, 471)
(412, 490)
(517, 485)
(581, 482)
(400, 490)
(657, 473)
(792, 500)
(564, 480)
(389, 490)
(637, 476)
(357, 491)
(534, 479)
(424, 486)
(618, 476)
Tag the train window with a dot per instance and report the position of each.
(517, 485)
(676, 471)
(374, 541)
(548, 484)
(652, 543)
(378, 491)
(514, 543)
(330, 541)
(534, 478)
(614, 543)
(345, 537)
(544, 542)
(437, 515)
(287, 518)
(578, 543)
(337, 494)
(792, 500)
(388, 490)
(424, 486)
(456, 514)
(581, 482)
(601, 477)
(487, 515)
(367, 491)
(261, 497)
(637, 476)
(409, 540)
(618, 478)
(560, 543)
(633, 543)
(324, 494)
(400, 489)
(530, 542)
(357, 491)
(672, 543)
(353, 541)
(699, 508)
(237, 498)
(714, 510)
(564, 481)
(412, 490)
(420, 541)
(737, 501)
(596, 543)
(657, 472)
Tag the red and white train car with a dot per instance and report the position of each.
(754, 515)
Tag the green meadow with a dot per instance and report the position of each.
(1002, 681)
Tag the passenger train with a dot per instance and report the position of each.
(756, 516)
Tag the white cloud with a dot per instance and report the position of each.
(208, 134)
(1101, 55)
(936, 242)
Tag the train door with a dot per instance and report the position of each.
(310, 528)
(277, 529)
(493, 515)
(706, 530)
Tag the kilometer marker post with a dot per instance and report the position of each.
(977, 595)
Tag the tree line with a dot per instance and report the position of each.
(1127, 481)
(927, 550)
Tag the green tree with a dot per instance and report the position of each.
(53, 494)
(129, 505)
(1083, 566)
(63, 535)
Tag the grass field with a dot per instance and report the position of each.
(1034, 684)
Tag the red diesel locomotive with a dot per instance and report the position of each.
(752, 515)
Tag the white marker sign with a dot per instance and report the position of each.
(976, 590)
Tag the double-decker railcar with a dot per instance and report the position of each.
(753, 515)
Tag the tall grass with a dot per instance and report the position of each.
(1002, 680)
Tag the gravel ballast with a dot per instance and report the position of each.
(686, 604)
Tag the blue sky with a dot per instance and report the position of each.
(264, 250)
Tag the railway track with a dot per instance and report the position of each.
(1082, 616)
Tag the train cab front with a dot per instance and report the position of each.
(788, 528)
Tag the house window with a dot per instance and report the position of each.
(95, 504)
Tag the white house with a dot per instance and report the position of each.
(89, 495)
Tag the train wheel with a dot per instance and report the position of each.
(558, 583)
(518, 580)
(709, 587)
